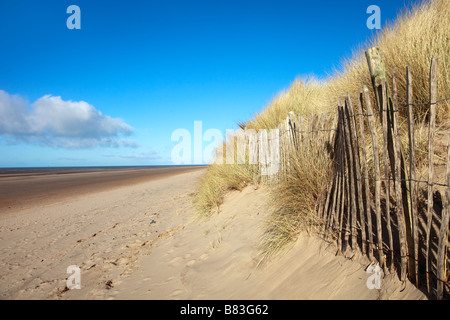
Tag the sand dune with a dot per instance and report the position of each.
(141, 241)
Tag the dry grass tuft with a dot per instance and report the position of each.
(295, 197)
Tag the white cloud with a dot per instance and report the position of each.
(54, 122)
(13, 110)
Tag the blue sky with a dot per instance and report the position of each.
(113, 92)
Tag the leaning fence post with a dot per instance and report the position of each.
(377, 175)
(368, 212)
(358, 179)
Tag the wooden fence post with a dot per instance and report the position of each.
(443, 233)
(412, 173)
(387, 182)
(302, 130)
(338, 177)
(377, 175)
(368, 211)
(339, 180)
(351, 165)
(263, 152)
(400, 203)
(282, 166)
(431, 129)
(358, 178)
(326, 208)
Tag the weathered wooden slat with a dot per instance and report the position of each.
(301, 130)
(346, 199)
(252, 146)
(358, 178)
(340, 166)
(275, 154)
(263, 152)
(333, 205)
(341, 212)
(342, 201)
(340, 196)
(322, 196)
(335, 190)
(365, 178)
(351, 177)
(282, 167)
(412, 173)
(327, 207)
(431, 129)
(398, 184)
(443, 233)
(288, 140)
(377, 195)
(384, 120)
(340, 153)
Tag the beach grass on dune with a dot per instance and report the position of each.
(417, 35)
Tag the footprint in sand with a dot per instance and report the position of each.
(175, 261)
(203, 257)
(176, 293)
(190, 263)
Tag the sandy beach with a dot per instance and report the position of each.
(139, 238)
(26, 188)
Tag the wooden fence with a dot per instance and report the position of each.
(371, 199)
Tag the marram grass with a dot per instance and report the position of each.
(417, 35)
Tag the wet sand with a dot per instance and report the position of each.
(30, 188)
